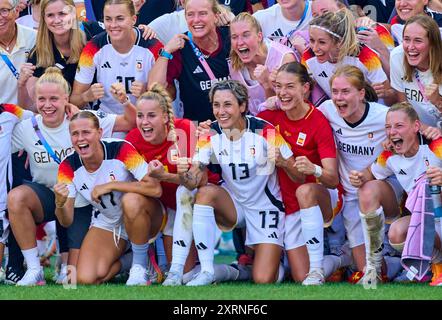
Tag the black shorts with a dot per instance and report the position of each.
(46, 197)
(79, 227)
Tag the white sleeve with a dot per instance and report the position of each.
(381, 172)
(167, 25)
(396, 71)
(203, 152)
(86, 65)
(107, 122)
(18, 137)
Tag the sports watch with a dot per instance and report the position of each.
(165, 54)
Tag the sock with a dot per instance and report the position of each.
(312, 224)
(139, 252)
(161, 254)
(398, 246)
(225, 272)
(204, 229)
(31, 258)
(41, 247)
(373, 229)
(182, 229)
(331, 264)
(190, 274)
(126, 261)
(281, 273)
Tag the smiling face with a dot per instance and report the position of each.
(85, 137)
(227, 110)
(7, 23)
(200, 18)
(59, 17)
(290, 91)
(319, 7)
(51, 102)
(402, 133)
(417, 46)
(323, 45)
(409, 8)
(118, 22)
(348, 99)
(245, 40)
(151, 121)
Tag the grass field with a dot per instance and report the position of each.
(225, 291)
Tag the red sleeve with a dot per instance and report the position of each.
(174, 67)
(324, 137)
(65, 172)
(186, 136)
(154, 46)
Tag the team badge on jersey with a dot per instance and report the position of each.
(112, 176)
(301, 139)
(174, 155)
(139, 65)
(252, 151)
(370, 135)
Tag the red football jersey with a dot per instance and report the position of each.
(310, 136)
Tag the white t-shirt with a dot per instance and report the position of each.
(275, 25)
(121, 162)
(27, 21)
(248, 174)
(10, 115)
(169, 24)
(358, 144)
(367, 61)
(8, 82)
(428, 113)
(43, 168)
(408, 170)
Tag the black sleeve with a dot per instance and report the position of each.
(33, 59)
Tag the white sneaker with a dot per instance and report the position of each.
(62, 275)
(370, 277)
(314, 278)
(33, 277)
(137, 276)
(203, 278)
(2, 274)
(173, 279)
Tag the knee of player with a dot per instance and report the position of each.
(131, 204)
(397, 234)
(17, 200)
(264, 278)
(206, 195)
(307, 195)
(84, 277)
(368, 194)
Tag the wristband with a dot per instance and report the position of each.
(318, 171)
(165, 54)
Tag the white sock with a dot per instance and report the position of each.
(312, 224)
(182, 229)
(41, 247)
(224, 272)
(31, 258)
(373, 229)
(190, 274)
(281, 273)
(140, 254)
(204, 229)
(331, 264)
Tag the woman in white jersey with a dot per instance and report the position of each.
(416, 69)
(358, 126)
(253, 58)
(333, 42)
(410, 156)
(242, 147)
(111, 175)
(119, 58)
(46, 139)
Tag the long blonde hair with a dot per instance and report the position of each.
(340, 26)
(237, 64)
(44, 50)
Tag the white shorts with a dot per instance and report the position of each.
(264, 226)
(168, 228)
(352, 223)
(99, 221)
(4, 228)
(293, 230)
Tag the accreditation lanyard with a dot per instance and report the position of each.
(201, 59)
(44, 142)
(420, 85)
(304, 15)
(10, 65)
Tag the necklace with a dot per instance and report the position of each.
(7, 46)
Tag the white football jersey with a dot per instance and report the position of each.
(101, 59)
(358, 144)
(408, 169)
(121, 163)
(245, 167)
(428, 113)
(43, 168)
(367, 61)
(10, 115)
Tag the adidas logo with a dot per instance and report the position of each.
(198, 70)
(38, 143)
(223, 153)
(180, 243)
(402, 172)
(379, 250)
(323, 75)
(84, 187)
(339, 131)
(312, 241)
(201, 246)
(273, 236)
(106, 65)
(277, 33)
